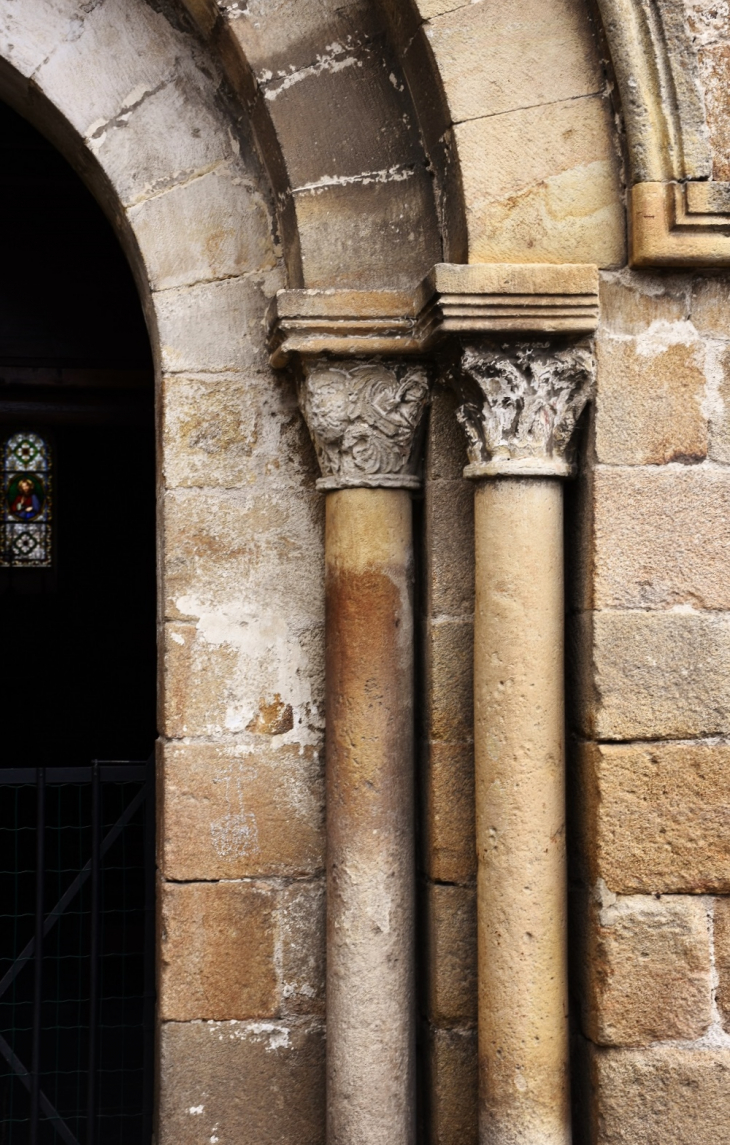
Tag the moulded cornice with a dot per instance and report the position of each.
(454, 299)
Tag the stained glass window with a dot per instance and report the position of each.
(27, 502)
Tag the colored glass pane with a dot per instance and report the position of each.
(27, 502)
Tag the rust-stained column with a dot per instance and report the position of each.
(364, 419)
(519, 406)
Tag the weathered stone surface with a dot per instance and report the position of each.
(226, 223)
(649, 396)
(709, 303)
(496, 58)
(661, 537)
(166, 139)
(214, 327)
(253, 1083)
(648, 970)
(553, 198)
(138, 47)
(223, 430)
(451, 1098)
(445, 451)
(218, 943)
(223, 561)
(721, 927)
(240, 810)
(654, 816)
(448, 653)
(447, 785)
(632, 300)
(660, 1095)
(451, 955)
(301, 939)
(449, 543)
(660, 675)
(349, 230)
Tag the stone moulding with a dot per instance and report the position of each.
(454, 298)
(680, 224)
(362, 360)
(519, 406)
(677, 216)
(364, 418)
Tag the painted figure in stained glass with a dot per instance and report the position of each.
(26, 505)
(26, 496)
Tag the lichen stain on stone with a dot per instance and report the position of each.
(273, 718)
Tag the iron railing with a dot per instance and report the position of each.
(77, 888)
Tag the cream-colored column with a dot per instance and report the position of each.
(519, 406)
(364, 420)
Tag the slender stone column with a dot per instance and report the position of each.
(519, 406)
(364, 419)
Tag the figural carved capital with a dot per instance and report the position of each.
(364, 418)
(519, 404)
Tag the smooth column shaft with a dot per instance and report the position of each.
(370, 846)
(520, 810)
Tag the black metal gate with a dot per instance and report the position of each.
(77, 954)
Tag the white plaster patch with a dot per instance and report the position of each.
(276, 1037)
(661, 335)
(395, 174)
(272, 661)
(713, 404)
(196, 1109)
(333, 59)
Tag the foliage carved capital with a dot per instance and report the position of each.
(364, 418)
(519, 405)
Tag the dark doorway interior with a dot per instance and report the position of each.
(75, 364)
(77, 671)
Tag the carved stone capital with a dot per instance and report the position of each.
(364, 418)
(519, 405)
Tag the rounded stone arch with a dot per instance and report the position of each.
(133, 104)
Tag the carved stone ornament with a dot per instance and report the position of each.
(364, 419)
(519, 405)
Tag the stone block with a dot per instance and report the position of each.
(631, 300)
(654, 816)
(721, 927)
(659, 675)
(660, 1095)
(449, 699)
(542, 185)
(349, 232)
(252, 1083)
(661, 537)
(226, 227)
(173, 133)
(497, 58)
(648, 967)
(214, 327)
(354, 90)
(217, 952)
(448, 827)
(449, 544)
(240, 810)
(139, 50)
(451, 955)
(301, 940)
(26, 41)
(283, 36)
(445, 453)
(709, 303)
(649, 397)
(231, 431)
(198, 694)
(451, 1097)
(225, 560)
